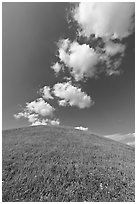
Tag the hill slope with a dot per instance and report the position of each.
(123, 138)
(62, 164)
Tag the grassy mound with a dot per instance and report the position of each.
(62, 164)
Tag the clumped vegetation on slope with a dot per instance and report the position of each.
(62, 164)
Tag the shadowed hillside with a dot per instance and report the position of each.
(46, 163)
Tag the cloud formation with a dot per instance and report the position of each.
(110, 22)
(55, 122)
(39, 112)
(85, 62)
(81, 128)
(39, 106)
(71, 95)
(36, 113)
(46, 93)
(32, 117)
(80, 59)
(106, 20)
(56, 67)
(112, 48)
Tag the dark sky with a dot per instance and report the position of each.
(29, 35)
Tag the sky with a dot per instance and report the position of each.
(69, 64)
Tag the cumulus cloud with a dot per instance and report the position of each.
(32, 117)
(71, 95)
(112, 57)
(80, 59)
(83, 61)
(36, 111)
(81, 128)
(19, 115)
(106, 19)
(39, 106)
(46, 92)
(113, 72)
(112, 48)
(38, 122)
(56, 67)
(40, 112)
(55, 122)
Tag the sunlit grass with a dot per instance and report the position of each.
(63, 164)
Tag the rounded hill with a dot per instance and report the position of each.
(61, 164)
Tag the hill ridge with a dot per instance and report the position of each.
(88, 132)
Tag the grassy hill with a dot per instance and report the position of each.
(46, 163)
(123, 138)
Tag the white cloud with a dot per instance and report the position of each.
(112, 49)
(80, 59)
(54, 122)
(106, 19)
(64, 45)
(40, 107)
(46, 93)
(112, 66)
(81, 128)
(56, 67)
(35, 108)
(36, 111)
(32, 117)
(19, 115)
(71, 95)
(63, 102)
(36, 123)
(113, 72)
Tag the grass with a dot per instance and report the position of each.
(62, 164)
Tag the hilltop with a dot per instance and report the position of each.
(46, 163)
